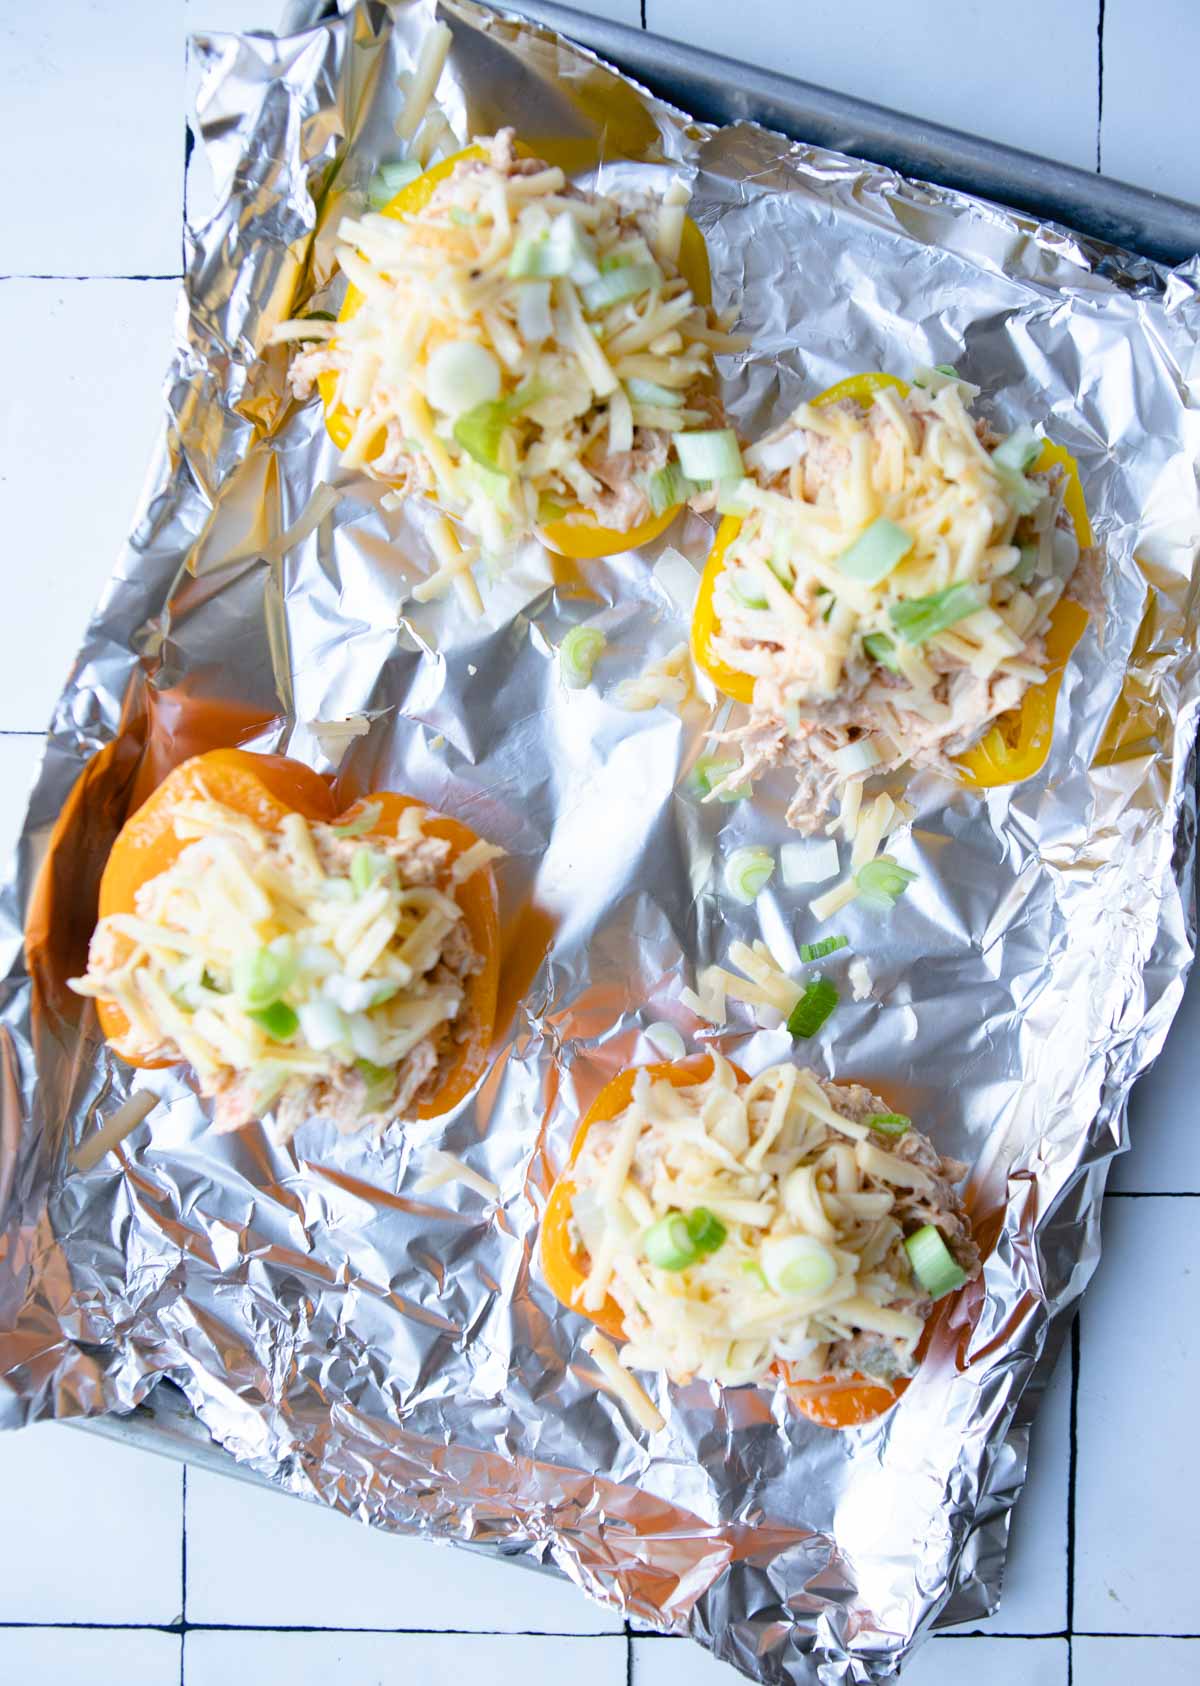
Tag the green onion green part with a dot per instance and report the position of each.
(712, 454)
(888, 1123)
(933, 1264)
(668, 1243)
(882, 882)
(812, 1009)
(712, 770)
(260, 977)
(919, 618)
(706, 1230)
(881, 649)
(818, 951)
(875, 552)
(278, 1020)
(649, 392)
(667, 487)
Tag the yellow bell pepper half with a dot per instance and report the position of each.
(578, 535)
(1018, 743)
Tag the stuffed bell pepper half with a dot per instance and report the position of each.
(301, 962)
(893, 583)
(744, 1231)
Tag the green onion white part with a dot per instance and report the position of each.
(748, 872)
(578, 654)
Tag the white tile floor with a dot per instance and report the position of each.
(95, 1582)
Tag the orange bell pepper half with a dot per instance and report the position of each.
(266, 788)
(831, 1402)
(1017, 744)
(577, 535)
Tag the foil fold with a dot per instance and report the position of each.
(396, 1355)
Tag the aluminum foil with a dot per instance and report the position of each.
(397, 1355)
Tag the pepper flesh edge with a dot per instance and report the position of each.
(266, 788)
(581, 537)
(1016, 744)
(831, 1402)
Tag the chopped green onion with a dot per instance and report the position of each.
(882, 882)
(461, 375)
(1025, 495)
(535, 256)
(875, 552)
(480, 430)
(260, 977)
(380, 1079)
(1018, 450)
(919, 618)
(933, 1264)
(748, 872)
(751, 1267)
(578, 654)
(649, 392)
(367, 866)
(391, 178)
(798, 1264)
(367, 817)
(1025, 569)
(947, 369)
(731, 496)
(668, 1243)
(707, 1232)
(888, 1123)
(812, 1009)
(709, 455)
(464, 219)
(829, 608)
(618, 285)
(751, 595)
(667, 487)
(319, 316)
(278, 1020)
(818, 951)
(881, 649)
(712, 770)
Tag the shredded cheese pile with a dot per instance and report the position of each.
(809, 1270)
(523, 349)
(889, 588)
(313, 969)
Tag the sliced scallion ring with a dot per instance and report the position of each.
(364, 820)
(1018, 451)
(882, 882)
(919, 618)
(888, 1123)
(798, 1265)
(706, 1230)
(748, 872)
(260, 977)
(933, 1264)
(278, 1020)
(668, 1243)
(578, 654)
(712, 770)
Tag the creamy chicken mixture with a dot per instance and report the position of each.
(315, 970)
(890, 588)
(523, 349)
(740, 1226)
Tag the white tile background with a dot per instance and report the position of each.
(121, 1569)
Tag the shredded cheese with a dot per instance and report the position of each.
(667, 681)
(114, 1130)
(442, 1168)
(625, 1387)
(740, 1225)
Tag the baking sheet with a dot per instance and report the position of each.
(398, 1356)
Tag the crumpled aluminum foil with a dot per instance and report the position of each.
(397, 1355)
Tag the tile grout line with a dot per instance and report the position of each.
(174, 275)
(1099, 85)
(183, 1573)
(1072, 1472)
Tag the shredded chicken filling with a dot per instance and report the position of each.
(820, 637)
(808, 1273)
(316, 973)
